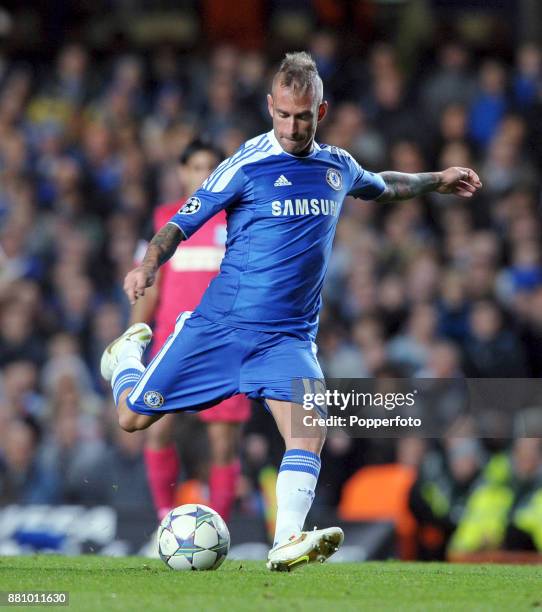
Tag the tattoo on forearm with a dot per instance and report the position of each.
(162, 246)
(401, 186)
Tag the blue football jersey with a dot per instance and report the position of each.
(282, 212)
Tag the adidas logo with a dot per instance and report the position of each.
(282, 181)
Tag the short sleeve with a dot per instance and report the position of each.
(365, 185)
(224, 187)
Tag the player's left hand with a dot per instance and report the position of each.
(462, 182)
(136, 281)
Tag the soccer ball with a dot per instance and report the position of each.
(193, 537)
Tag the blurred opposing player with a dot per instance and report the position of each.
(179, 287)
(254, 330)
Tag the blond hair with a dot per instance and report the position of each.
(298, 70)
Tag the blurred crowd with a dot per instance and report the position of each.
(431, 287)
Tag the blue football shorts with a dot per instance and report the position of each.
(203, 363)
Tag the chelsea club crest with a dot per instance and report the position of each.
(334, 179)
(153, 399)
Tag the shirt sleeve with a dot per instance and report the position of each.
(365, 185)
(228, 184)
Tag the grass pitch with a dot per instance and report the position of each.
(134, 584)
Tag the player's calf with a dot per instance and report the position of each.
(121, 365)
(296, 484)
(132, 421)
(292, 422)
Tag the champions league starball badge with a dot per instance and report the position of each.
(334, 179)
(153, 399)
(191, 206)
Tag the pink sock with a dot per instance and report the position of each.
(222, 486)
(163, 467)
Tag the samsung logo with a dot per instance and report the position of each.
(304, 206)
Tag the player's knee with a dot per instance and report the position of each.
(130, 421)
(127, 423)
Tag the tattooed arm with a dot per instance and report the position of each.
(160, 249)
(401, 186)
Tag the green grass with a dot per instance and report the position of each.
(137, 584)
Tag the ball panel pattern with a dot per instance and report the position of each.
(193, 537)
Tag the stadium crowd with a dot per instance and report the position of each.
(431, 287)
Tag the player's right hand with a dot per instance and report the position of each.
(136, 281)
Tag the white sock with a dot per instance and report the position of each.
(296, 483)
(130, 348)
(126, 375)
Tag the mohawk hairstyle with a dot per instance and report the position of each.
(298, 70)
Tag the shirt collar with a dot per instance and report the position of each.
(278, 149)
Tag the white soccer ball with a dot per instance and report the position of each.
(193, 537)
